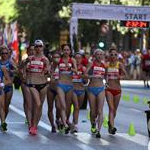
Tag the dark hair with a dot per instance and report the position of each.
(113, 49)
(56, 52)
(62, 46)
(28, 48)
(2, 48)
(78, 53)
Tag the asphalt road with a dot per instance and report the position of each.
(17, 137)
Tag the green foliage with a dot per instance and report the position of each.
(46, 18)
(7, 10)
(41, 19)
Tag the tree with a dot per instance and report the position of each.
(40, 19)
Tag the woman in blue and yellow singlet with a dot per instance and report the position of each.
(9, 65)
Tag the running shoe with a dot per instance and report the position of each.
(4, 126)
(74, 129)
(61, 128)
(98, 135)
(33, 130)
(53, 129)
(66, 129)
(111, 130)
(93, 128)
(26, 121)
(58, 123)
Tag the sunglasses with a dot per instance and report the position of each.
(4, 53)
(38, 46)
(113, 55)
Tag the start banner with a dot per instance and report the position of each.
(110, 12)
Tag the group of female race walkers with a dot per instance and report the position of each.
(64, 80)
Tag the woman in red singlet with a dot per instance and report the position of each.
(79, 91)
(67, 66)
(146, 68)
(37, 71)
(96, 92)
(52, 92)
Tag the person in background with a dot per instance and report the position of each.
(137, 65)
(79, 90)
(27, 100)
(3, 74)
(8, 89)
(52, 93)
(146, 68)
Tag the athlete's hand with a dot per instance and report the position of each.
(4, 69)
(85, 76)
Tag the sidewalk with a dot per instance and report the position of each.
(133, 83)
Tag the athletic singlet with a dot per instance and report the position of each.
(98, 71)
(63, 69)
(36, 65)
(76, 78)
(8, 66)
(55, 74)
(146, 62)
(113, 72)
(1, 74)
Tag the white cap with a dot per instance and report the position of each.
(98, 50)
(38, 42)
(81, 51)
(138, 50)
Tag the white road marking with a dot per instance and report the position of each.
(88, 139)
(84, 147)
(20, 112)
(39, 138)
(138, 138)
(149, 145)
(84, 138)
(13, 122)
(136, 110)
(45, 126)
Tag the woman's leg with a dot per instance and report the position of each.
(81, 100)
(58, 109)
(110, 102)
(2, 108)
(8, 97)
(24, 97)
(76, 109)
(77, 102)
(27, 103)
(100, 105)
(92, 103)
(36, 106)
(116, 103)
(42, 93)
(61, 98)
(2, 112)
(69, 97)
(50, 102)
